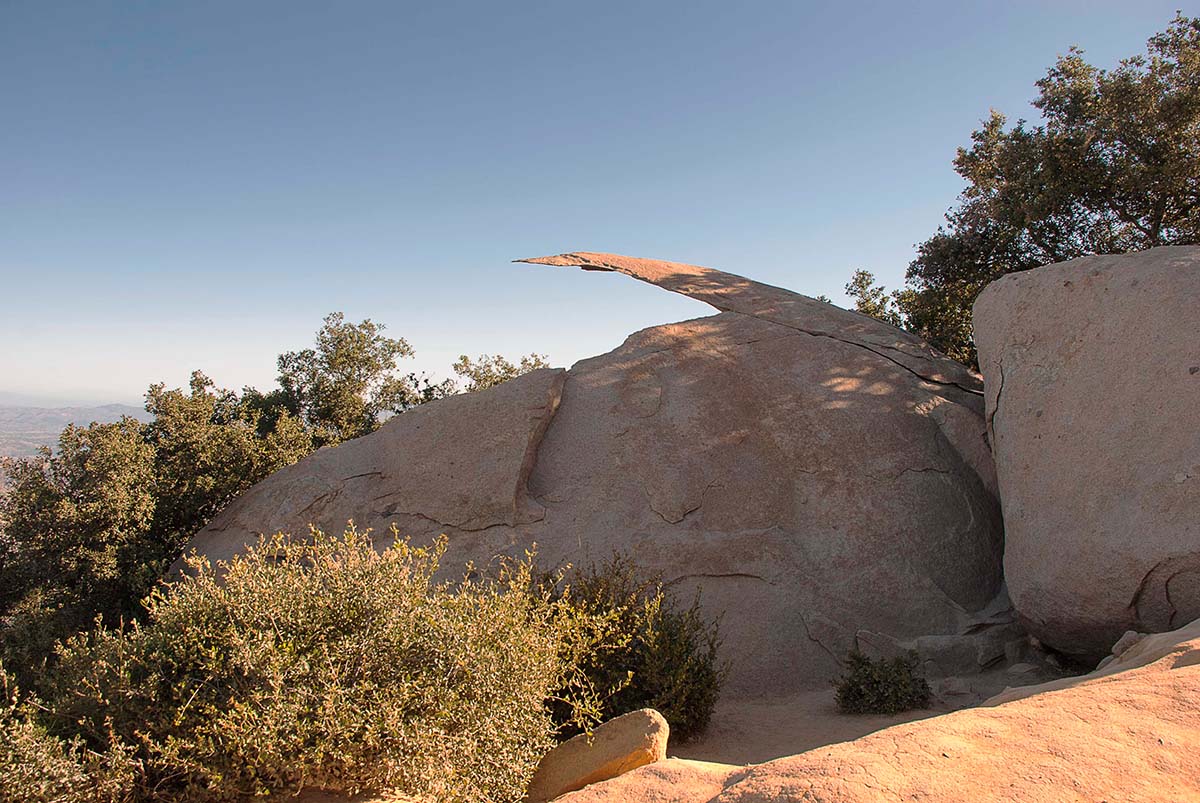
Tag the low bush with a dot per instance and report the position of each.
(321, 664)
(652, 653)
(881, 686)
(36, 767)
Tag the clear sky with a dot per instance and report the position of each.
(195, 185)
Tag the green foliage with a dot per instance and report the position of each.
(1114, 167)
(88, 531)
(881, 686)
(36, 767)
(871, 299)
(90, 528)
(488, 371)
(650, 652)
(343, 386)
(209, 446)
(75, 525)
(321, 664)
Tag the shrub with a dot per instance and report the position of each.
(36, 767)
(88, 529)
(327, 665)
(651, 653)
(881, 686)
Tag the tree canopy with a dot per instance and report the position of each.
(344, 384)
(1114, 166)
(487, 371)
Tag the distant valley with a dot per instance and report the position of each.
(23, 429)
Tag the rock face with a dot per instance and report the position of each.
(459, 465)
(622, 744)
(1093, 398)
(1130, 732)
(816, 473)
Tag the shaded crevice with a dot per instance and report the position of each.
(817, 641)
(1172, 605)
(364, 474)
(861, 345)
(991, 419)
(726, 347)
(658, 403)
(685, 513)
(389, 512)
(721, 575)
(682, 516)
(320, 503)
(521, 496)
(901, 473)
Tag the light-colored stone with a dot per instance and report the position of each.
(814, 472)
(1127, 640)
(951, 687)
(674, 780)
(1093, 394)
(622, 744)
(461, 465)
(1130, 733)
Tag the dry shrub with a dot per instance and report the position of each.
(323, 664)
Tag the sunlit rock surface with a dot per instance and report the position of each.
(814, 472)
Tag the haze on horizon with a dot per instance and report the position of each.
(194, 187)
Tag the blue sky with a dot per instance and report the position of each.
(195, 185)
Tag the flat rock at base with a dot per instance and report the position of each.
(1092, 372)
(1130, 733)
(674, 780)
(622, 744)
(812, 472)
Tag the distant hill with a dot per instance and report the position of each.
(23, 429)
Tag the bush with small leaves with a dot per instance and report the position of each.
(324, 664)
(881, 686)
(36, 767)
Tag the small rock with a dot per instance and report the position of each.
(1127, 640)
(952, 687)
(622, 744)
(877, 645)
(1021, 669)
(1015, 649)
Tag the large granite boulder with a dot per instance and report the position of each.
(1129, 732)
(816, 473)
(1093, 391)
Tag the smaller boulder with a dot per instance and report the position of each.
(622, 744)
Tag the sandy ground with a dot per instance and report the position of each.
(751, 731)
(754, 731)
